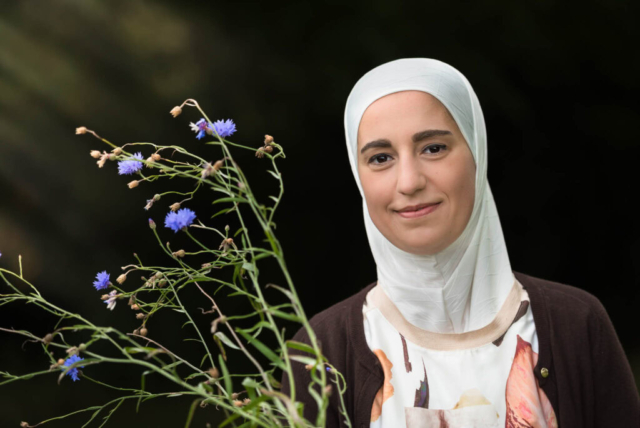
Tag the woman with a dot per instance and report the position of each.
(449, 335)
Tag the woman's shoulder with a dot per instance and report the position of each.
(563, 302)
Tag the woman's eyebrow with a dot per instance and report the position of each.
(417, 137)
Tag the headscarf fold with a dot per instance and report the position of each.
(462, 287)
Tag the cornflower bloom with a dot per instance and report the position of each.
(74, 371)
(177, 220)
(102, 280)
(111, 301)
(201, 127)
(225, 128)
(130, 166)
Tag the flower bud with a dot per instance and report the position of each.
(136, 331)
(214, 373)
(234, 395)
(61, 361)
(104, 297)
(268, 149)
(152, 224)
(175, 207)
(162, 283)
(121, 279)
(328, 389)
(179, 253)
(117, 151)
(112, 156)
(246, 401)
(308, 366)
(260, 153)
(156, 197)
(175, 111)
(143, 331)
(135, 307)
(237, 403)
(140, 315)
(133, 184)
(95, 154)
(268, 139)
(82, 347)
(156, 157)
(226, 228)
(81, 130)
(24, 425)
(132, 300)
(217, 165)
(150, 160)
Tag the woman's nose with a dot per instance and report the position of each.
(410, 177)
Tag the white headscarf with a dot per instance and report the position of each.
(463, 287)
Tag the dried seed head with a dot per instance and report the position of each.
(95, 154)
(150, 160)
(103, 159)
(24, 425)
(308, 366)
(136, 331)
(234, 395)
(179, 253)
(104, 297)
(140, 315)
(217, 165)
(260, 153)
(175, 207)
(73, 350)
(214, 373)
(207, 170)
(135, 307)
(237, 403)
(175, 111)
(268, 139)
(122, 278)
(132, 300)
(162, 283)
(268, 149)
(81, 130)
(246, 401)
(133, 184)
(48, 338)
(206, 265)
(156, 157)
(117, 151)
(143, 331)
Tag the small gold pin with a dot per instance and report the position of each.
(544, 372)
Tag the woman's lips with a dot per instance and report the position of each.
(419, 213)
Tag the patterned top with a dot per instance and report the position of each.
(482, 378)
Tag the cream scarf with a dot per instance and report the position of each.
(463, 287)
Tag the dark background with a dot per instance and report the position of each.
(558, 84)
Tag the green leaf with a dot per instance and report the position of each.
(137, 350)
(228, 382)
(248, 266)
(274, 198)
(223, 211)
(276, 175)
(226, 340)
(195, 340)
(302, 347)
(306, 360)
(285, 315)
(262, 348)
(241, 200)
(258, 325)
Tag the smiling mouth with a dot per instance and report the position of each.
(420, 212)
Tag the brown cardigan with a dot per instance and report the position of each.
(589, 384)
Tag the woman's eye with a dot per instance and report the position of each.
(439, 147)
(435, 150)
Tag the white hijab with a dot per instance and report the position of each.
(463, 287)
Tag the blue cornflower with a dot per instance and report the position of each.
(177, 220)
(74, 371)
(130, 166)
(225, 128)
(201, 127)
(103, 280)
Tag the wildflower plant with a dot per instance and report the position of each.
(263, 404)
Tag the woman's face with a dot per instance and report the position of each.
(411, 152)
